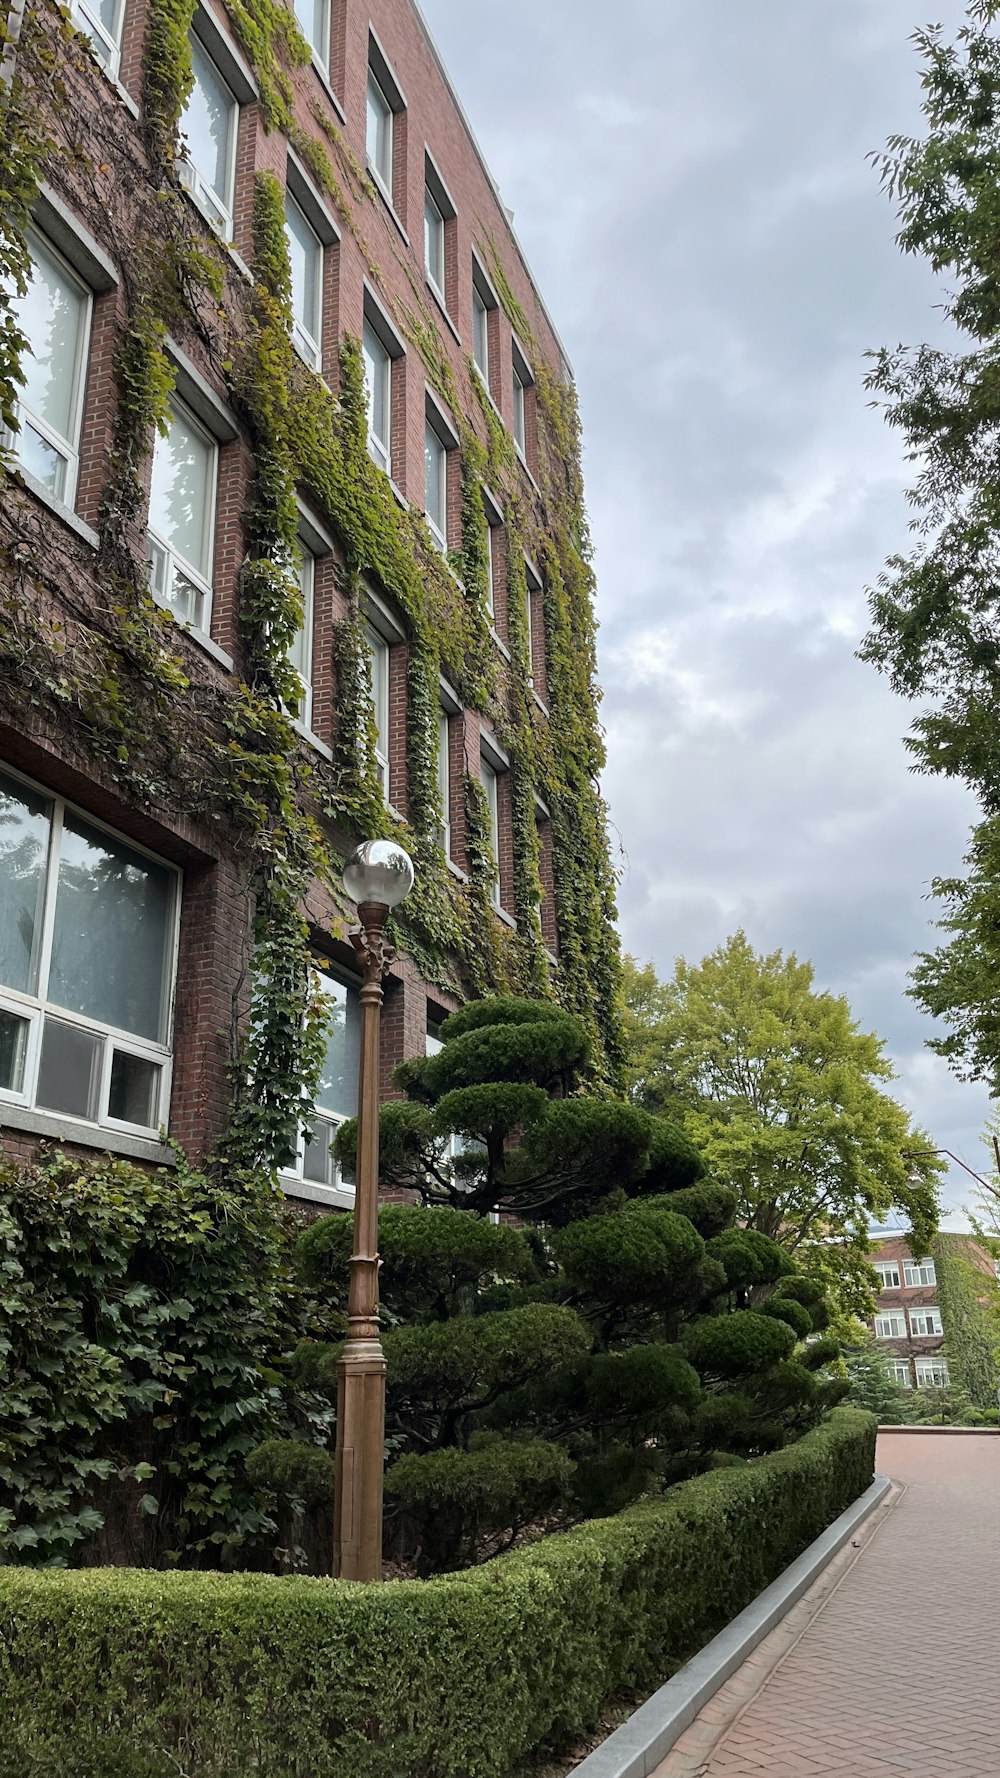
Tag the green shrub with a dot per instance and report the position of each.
(736, 1345)
(640, 1255)
(747, 1257)
(122, 1674)
(452, 1497)
(788, 1310)
(427, 1254)
(709, 1205)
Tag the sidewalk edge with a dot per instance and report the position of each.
(638, 1746)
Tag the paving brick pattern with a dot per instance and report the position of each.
(888, 1665)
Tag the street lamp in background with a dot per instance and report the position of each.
(377, 876)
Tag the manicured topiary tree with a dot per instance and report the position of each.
(621, 1335)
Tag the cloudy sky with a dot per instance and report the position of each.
(689, 183)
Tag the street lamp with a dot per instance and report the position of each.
(376, 876)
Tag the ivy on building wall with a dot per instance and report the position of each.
(126, 689)
(965, 1295)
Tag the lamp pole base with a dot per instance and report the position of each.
(357, 1528)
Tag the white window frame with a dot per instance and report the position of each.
(919, 1273)
(379, 449)
(307, 343)
(489, 777)
(884, 1267)
(438, 530)
(293, 1178)
(381, 174)
(35, 1008)
(68, 449)
(434, 262)
(933, 1373)
(484, 298)
(165, 561)
(532, 585)
(307, 587)
(320, 51)
(217, 207)
(377, 643)
(521, 382)
(923, 1314)
(444, 778)
(899, 1371)
(107, 46)
(887, 1330)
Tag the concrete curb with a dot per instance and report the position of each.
(635, 1749)
(961, 1431)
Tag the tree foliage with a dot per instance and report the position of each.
(934, 610)
(607, 1345)
(786, 1099)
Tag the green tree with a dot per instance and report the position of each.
(645, 1008)
(934, 627)
(624, 1335)
(785, 1098)
(873, 1386)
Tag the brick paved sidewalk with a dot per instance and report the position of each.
(888, 1666)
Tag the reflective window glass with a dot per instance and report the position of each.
(110, 938)
(24, 846)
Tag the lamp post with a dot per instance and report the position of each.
(376, 876)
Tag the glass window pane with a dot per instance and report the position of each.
(518, 392)
(376, 363)
(52, 315)
(434, 479)
(313, 17)
(338, 1087)
(444, 778)
(305, 253)
(24, 847)
(317, 1161)
(208, 125)
(13, 1043)
(480, 334)
(378, 136)
(135, 1089)
(378, 650)
(300, 647)
(69, 1072)
(41, 459)
(182, 490)
(111, 935)
(433, 241)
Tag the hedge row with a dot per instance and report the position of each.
(111, 1673)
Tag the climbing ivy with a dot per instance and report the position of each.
(965, 1295)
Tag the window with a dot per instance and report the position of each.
(434, 242)
(919, 1271)
(54, 316)
(209, 128)
(182, 518)
(925, 1322)
(378, 657)
(378, 384)
(491, 597)
(488, 778)
(888, 1272)
(900, 1373)
(300, 648)
(932, 1373)
(314, 22)
(305, 252)
(480, 336)
(891, 1325)
(101, 21)
(378, 138)
(520, 432)
(86, 966)
(436, 486)
(444, 780)
(337, 1096)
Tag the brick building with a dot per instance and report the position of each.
(182, 392)
(908, 1319)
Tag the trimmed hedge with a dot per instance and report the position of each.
(110, 1673)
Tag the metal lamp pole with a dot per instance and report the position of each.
(376, 876)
